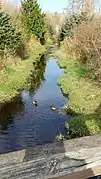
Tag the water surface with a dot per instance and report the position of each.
(24, 125)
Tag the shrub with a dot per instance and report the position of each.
(85, 45)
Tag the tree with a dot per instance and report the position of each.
(10, 38)
(89, 7)
(74, 6)
(71, 22)
(77, 6)
(32, 17)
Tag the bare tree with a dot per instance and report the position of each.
(89, 6)
(8, 6)
(75, 6)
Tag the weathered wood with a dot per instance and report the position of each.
(83, 174)
(53, 160)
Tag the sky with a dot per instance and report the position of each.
(53, 5)
(50, 5)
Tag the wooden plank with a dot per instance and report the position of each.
(85, 174)
(63, 159)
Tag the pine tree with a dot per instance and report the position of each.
(10, 39)
(32, 17)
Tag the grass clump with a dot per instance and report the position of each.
(84, 125)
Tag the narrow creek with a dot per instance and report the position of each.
(22, 124)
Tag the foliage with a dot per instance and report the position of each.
(84, 93)
(88, 44)
(32, 18)
(49, 33)
(70, 23)
(84, 98)
(10, 38)
(54, 21)
(77, 127)
(85, 45)
(50, 28)
(84, 125)
(82, 65)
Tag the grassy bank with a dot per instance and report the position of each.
(15, 73)
(84, 97)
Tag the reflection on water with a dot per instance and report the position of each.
(7, 112)
(21, 123)
(37, 76)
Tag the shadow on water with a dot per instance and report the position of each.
(37, 77)
(7, 112)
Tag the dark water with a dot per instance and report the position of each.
(21, 123)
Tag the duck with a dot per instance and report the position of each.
(53, 108)
(34, 63)
(35, 103)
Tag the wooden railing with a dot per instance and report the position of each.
(85, 174)
(73, 159)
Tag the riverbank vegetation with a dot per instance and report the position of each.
(23, 38)
(80, 56)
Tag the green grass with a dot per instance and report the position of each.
(14, 77)
(84, 125)
(84, 98)
(73, 68)
(49, 43)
